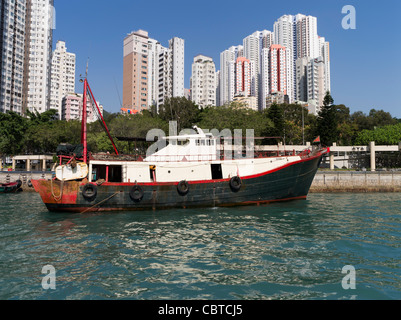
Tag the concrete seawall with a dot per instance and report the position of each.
(25, 177)
(325, 181)
(356, 181)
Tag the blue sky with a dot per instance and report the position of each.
(365, 62)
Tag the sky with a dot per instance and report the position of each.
(365, 62)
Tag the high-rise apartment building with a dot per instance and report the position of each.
(311, 81)
(12, 47)
(154, 64)
(316, 81)
(277, 69)
(227, 73)
(176, 46)
(301, 74)
(273, 73)
(307, 38)
(325, 54)
(285, 35)
(252, 52)
(243, 77)
(72, 107)
(266, 39)
(203, 81)
(62, 76)
(135, 73)
(38, 54)
(151, 72)
(26, 34)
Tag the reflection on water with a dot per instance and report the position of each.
(293, 250)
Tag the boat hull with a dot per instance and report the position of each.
(9, 187)
(289, 182)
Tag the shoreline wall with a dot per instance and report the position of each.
(25, 177)
(356, 181)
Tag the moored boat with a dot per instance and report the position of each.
(189, 171)
(10, 187)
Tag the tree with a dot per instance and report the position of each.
(275, 113)
(234, 116)
(387, 135)
(12, 133)
(179, 109)
(328, 99)
(327, 122)
(381, 118)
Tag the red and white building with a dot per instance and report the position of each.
(243, 77)
(277, 69)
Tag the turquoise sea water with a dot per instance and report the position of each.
(292, 250)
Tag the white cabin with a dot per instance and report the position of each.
(191, 147)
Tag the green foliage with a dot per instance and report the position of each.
(12, 132)
(44, 137)
(327, 125)
(234, 116)
(387, 135)
(276, 114)
(179, 109)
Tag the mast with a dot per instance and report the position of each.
(88, 91)
(83, 123)
(101, 118)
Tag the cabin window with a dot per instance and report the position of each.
(202, 142)
(107, 173)
(115, 174)
(217, 173)
(182, 142)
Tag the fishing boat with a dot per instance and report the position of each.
(10, 187)
(187, 171)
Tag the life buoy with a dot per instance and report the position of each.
(89, 191)
(136, 193)
(183, 187)
(235, 183)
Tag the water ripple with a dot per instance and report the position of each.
(293, 250)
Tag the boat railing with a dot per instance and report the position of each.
(220, 155)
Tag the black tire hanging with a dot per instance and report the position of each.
(136, 193)
(183, 187)
(89, 191)
(235, 183)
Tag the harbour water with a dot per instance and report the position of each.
(293, 250)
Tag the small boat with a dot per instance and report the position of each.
(10, 187)
(187, 171)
